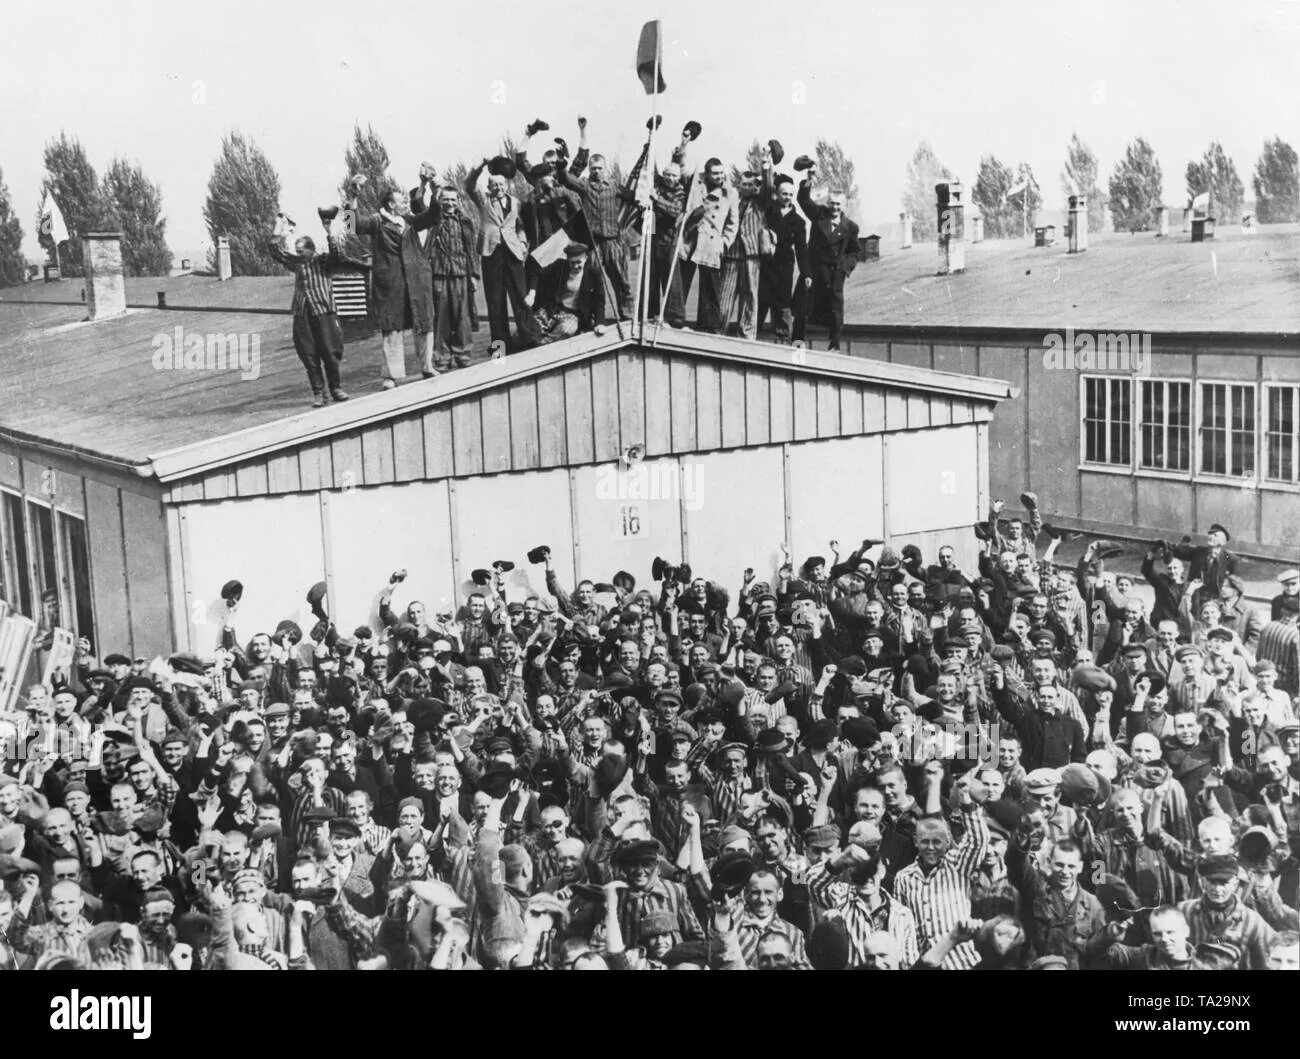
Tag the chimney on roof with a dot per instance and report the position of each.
(223, 258)
(905, 223)
(105, 286)
(1078, 224)
(951, 212)
(1162, 221)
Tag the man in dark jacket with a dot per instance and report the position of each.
(832, 256)
(577, 299)
(788, 264)
(401, 289)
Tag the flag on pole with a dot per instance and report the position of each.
(1201, 202)
(649, 58)
(53, 230)
(1017, 189)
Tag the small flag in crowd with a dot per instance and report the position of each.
(53, 230)
(575, 230)
(649, 57)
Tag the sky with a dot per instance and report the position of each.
(161, 82)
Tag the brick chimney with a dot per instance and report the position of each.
(223, 258)
(905, 223)
(951, 211)
(1078, 224)
(101, 253)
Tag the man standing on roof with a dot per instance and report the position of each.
(832, 255)
(317, 336)
(401, 292)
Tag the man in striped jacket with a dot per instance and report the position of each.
(936, 886)
(317, 336)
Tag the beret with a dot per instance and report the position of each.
(1093, 678)
(1004, 812)
(344, 827)
(1219, 633)
(1079, 785)
(117, 660)
(861, 732)
(1043, 637)
(1002, 654)
(732, 870)
(149, 822)
(853, 666)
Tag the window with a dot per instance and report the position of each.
(1165, 426)
(44, 561)
(76, 574)
(17, 587)
(1228, 429)
(1108, 421)
(1282, 433)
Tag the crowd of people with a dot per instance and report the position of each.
(551, 240)
(868, 761)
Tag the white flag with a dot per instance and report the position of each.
(53, 230)
(552, 250)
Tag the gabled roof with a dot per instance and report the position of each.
(336, 419)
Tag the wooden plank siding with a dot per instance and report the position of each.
(589, 412)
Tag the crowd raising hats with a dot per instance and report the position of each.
(865, 761)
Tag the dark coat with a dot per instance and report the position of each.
(790, 261)
(401, 283)
(832, 256)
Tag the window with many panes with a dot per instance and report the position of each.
(1165, 425)
(1227, 429)
(1282, 434)
(1108, 421)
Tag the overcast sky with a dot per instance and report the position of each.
(160, 82)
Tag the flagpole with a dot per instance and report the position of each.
(648, 219)
(672, 264)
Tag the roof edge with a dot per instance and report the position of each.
(319, 424)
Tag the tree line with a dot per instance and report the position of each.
(243, 195)
(1010, 199)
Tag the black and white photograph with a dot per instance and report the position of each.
(659, 486)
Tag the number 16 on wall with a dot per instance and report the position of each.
(632, 521)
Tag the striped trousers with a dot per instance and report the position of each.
(739, 296)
